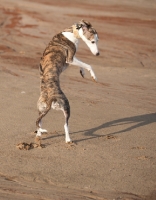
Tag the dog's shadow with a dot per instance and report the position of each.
(134, 122)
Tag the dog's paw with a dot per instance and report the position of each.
(93, 76)
(94, 79)
(68, 140)
(43, 130)
(40, 131)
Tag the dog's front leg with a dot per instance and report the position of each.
(85, 66)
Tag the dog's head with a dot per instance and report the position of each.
(89, 35)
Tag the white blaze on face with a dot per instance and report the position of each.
(91, 43)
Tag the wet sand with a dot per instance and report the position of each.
(113, 121)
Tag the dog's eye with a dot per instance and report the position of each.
(93, 42)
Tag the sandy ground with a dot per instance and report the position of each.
(113, 122)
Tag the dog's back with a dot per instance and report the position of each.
(60, 46)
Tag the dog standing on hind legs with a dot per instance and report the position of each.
(57, 56)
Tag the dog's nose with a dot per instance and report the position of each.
(98, 54)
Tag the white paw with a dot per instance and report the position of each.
(43, 130)
(93, 75)
(40, 131)
(68, 140)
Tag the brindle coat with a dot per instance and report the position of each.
(55, 57)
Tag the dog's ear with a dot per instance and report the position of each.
(83, 23)
(86, 23)
(78, 26)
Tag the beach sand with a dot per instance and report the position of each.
(113, 121)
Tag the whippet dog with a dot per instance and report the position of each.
(57, 56)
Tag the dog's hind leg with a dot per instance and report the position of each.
(63, 104)
(43, 110)
(66, 111)
(66, 127)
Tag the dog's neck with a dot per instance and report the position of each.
(72, 35)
